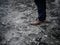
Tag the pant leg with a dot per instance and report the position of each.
(41, 5)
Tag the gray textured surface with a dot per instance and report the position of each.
(15, 16)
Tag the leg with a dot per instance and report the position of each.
(41, 5)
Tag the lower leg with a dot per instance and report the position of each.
(41, 12)
(42, 15)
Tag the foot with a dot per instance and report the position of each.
(37, 22)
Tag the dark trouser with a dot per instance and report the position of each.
(41, 5)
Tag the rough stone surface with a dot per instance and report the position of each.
(15, 28)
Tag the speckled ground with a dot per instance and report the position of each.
(16, 28)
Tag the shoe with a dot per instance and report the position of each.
(37, 22)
